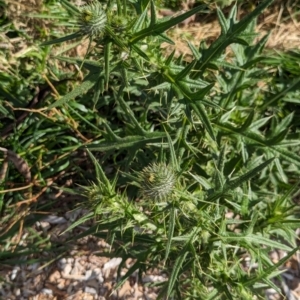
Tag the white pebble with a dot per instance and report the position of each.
(70, 260)
(76, 269)
(97, 271)
(14, 273)
(100, 278)
(154, 278)
(17, 292)
(112, 263)
(44, 225)
(47, 291)
(62, 261)
(90, 290)
(88, 274)
(66, 269)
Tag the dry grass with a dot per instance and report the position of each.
(281, 19)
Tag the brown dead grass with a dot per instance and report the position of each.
(282, 20)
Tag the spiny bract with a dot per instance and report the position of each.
(92, 19)
(157, 181)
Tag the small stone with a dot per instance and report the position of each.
(62, 262)
(88, 274)
(77, 268)
(70, 260)
(66, 270)
(114, 262)
(38, 282)
(90, 290)
(54, 220)
(45, 225)
(47, 291)
(54, 276)
(61, 283)
(97, 271)
(93, 283)
(17, 292)
(154, 278)
(27, 293)
(100, 278)
(14, 273)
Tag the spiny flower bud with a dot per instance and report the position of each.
(92, 19)
(157, 181)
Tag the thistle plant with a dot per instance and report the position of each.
(199, 137)
(208, 129)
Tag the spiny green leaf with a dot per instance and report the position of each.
(88, 83)
(70, 7)
(170, 231)
(63, 39)
(162, 27)
(245, 177)
(124, 143)
(200, 111)
(295, 84)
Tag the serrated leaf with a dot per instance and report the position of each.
(138, 25)
(285, 122)
(175, 164)
(63, 39)
(124, 143)
(223, 41)
(153, 14)
(294, 85)
(70, 7)
(194, 50)
(245, 177)
(199, 95)
(175, 271)
(163, 26)
(278, 138)
(170, 231)
(186, 71)
(247, 122)
(288, 155)
(259, 123)
(88, 83)
(271, 269)
(200, 111)
(256, 240)
(222, 21)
